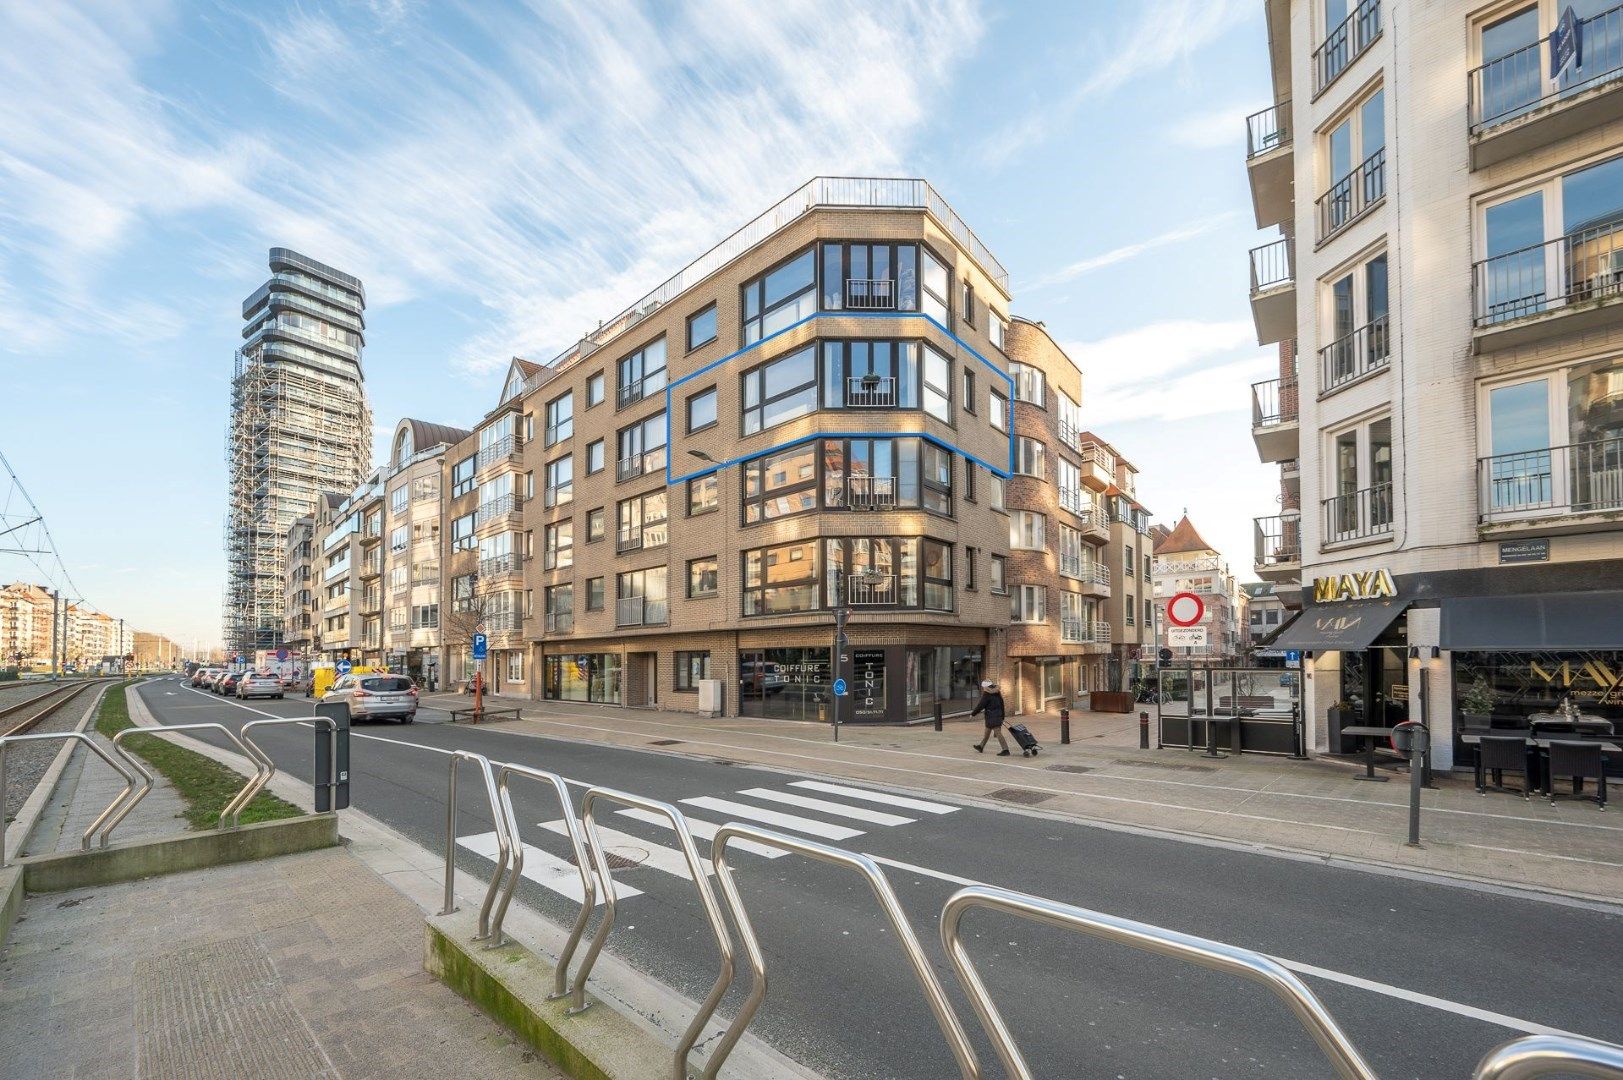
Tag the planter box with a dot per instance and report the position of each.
(1111, 701)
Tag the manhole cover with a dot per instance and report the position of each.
(616, 862)
(1164, 765)
(1070, 768)
(665, 742)
(1024, 796)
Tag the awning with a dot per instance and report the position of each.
(1347, 627)
(1534, 621)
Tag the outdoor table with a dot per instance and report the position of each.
(1369, 735)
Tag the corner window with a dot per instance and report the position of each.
(937, 385)
(702, 328)
(781, 580)
(935, 285)
(870, 277)
(781, 297)
(702, 410)
(779, 485)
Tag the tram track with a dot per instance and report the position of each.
(24, 716)
(27, 762)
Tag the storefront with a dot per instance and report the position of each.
(595, 678)
(888, 683)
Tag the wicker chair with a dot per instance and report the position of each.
(1500, 754)
(1581, 761)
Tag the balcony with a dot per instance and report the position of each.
(1515, 107)
(560, 622)
(1279, 546)
(870, 294)
(371, 602)
(870, 392)
(637, 389)
(370, 639)
(641, 611)
(505, 510)
(629, 468)
(1273, 291)
(1096, 581)
(1275, 419)
(1352, 196)
(371, 566)
(1270, 159)
(1098, 467)
(1072, 629)
(649, 535)
(1365, 514)
(1345, 43)
(1559, 489)
(1568, 285)
(499, 567)
(1095, 523)
(504, 450)
(371, 534)
(1070, 435)
(1346, 359)
(871, 589)
(870, 492)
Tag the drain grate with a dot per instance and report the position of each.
(1070, 768)
(616, 862)
(1024, 796)
(1164, 765)
(666, 742)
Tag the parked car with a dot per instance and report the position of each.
(376, 697)
(226, 684)
(258, 684)
(760, 678)
(203, 676)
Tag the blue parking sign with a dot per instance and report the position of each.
(481, 646)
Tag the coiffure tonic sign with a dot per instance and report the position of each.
(1359, 585)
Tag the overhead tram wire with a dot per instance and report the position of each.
(32, 536)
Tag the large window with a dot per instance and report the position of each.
(780, 580)
(641, 447)
(780, 297)
(560, 418)
(1361, 478)
(559, 549)
(641, 598)
(1359, 342)
(780, 390)
(560, 488)
(862, 474)
(462, 533)
(642, 373)
(591, 677)
(870, 277)
(1355, 157)
(1029, 384)
(462, 476)
(642, 522)
(905, 572)
(702, 328)
(560, 602)
(1554, 444)
(864, 374)
(782, 484)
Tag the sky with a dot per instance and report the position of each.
(505, 175)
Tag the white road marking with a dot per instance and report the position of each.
(543, 868)
(772, 817)
(859, 813)
(704, 830)
(655, 855)
(906, 803)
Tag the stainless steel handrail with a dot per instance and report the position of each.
(503, 832)
(257, 784)
(1230, 959)
(1548, 1055)
(951, 1027)
(126, 801)
(129, 779)
(583, 863)
(707, 897)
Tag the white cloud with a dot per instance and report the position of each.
(1128, 251)
(1172, 370)
(1211, 129)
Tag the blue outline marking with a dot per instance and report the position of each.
(1008, 422)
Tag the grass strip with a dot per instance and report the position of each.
(202, 782)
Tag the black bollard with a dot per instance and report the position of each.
(1065, 727)
(938, 716)
(1143, 731)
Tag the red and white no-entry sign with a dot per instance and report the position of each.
(1185, 609)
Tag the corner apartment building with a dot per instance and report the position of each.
(823, 413)
(1448, 179)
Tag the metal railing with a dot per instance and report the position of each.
(1267, 130)
(6, 741)
(643, 386)
(1512, 86)
(1100, 458)
(870, 492)
(1273, 265)
(641, 611)
(871, 591)
(560, 622)
(1070, 435)
(1274, 402)
(870, 391)
(1345, 43)
(501, 622)
(500, 450)
(1101, 574)
(1073, 500)
(1309, 1011)
(1350, 197)
(1364, 350)
(504, 830)
(1101, 632)
(1356, 515)
(496, 566)
(1580, 267)
(1071, 565)
(1533, 1056)
(870, 294)
(1582, 478)
(637, 464)
(496, 509)
(1073, 630)
(1278, 539)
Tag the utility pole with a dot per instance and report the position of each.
(55, 669)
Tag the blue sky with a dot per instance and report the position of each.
(505, 175)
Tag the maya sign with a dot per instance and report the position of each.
(1360, 585)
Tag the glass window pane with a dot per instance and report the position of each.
(1592, 198)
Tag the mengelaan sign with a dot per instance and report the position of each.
(1360, 585)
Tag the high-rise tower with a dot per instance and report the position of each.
(299, 427)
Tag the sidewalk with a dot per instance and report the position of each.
(1311, 807)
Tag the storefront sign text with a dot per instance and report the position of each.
(1362, 585)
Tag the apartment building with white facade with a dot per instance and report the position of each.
(1448, 179)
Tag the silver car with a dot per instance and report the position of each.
(376, 697)
(259, 684)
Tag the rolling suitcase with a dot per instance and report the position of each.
(1028, 741)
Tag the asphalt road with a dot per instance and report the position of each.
(1424, 975)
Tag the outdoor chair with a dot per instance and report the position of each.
(1498, 754)
(1581, 761)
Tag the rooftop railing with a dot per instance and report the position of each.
(1585, 265)
(1267, 130)
(1509, 87)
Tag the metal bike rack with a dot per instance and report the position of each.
(583, 863)
(126, 801)
(1548, 1055)
(707, 898)
(1309, 1011)
(951, 1028)
(257, 784)
(503, 832)
(129, 779)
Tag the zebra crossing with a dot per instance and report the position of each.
(806, 808)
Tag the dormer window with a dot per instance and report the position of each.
(403, 448)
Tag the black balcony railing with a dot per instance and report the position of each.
(1358, 353)
(1345, 43)
(870, 392)
(1272, 265)
(638, 464)
(1546, 278)
(1514, 85)
(1279, 539)
(1582, 478)
(1267, 130)
(637, 389)
(870, 294)
(1351, 196)
(1274, 401)
(1357, 515)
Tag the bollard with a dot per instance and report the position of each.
(938, 716)
(1143, 730)
(1065, 727)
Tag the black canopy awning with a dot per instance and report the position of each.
(1534, 621)
(1346, 627)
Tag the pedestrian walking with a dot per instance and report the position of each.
(991, 704)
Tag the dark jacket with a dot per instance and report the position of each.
(991, 703)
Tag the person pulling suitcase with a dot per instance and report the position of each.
(991, 704)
